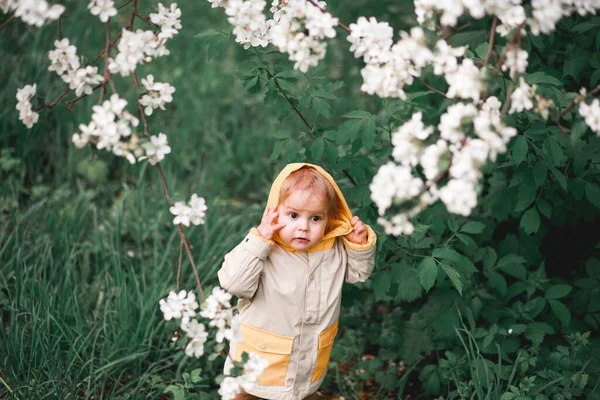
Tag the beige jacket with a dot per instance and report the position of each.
(290, 301)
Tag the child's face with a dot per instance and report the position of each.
(305, 216)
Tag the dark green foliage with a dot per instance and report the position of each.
(499, 305)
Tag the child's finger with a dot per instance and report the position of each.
(277, 227)
(354, 220)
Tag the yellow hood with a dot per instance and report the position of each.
(338, 227)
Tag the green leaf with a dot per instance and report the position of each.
(561, 311)
(539, 173)
(526, 196)
(592, 267)
(562, 181)
(177, 390)
(454, 277)
(554, 151)
(473, 227)
(482, 49)
(592, 193)
(360, 114)
(497, 282)
(332, 152)
(381, 283)
(427, 272)
(542, 78)
(324, 95)
(321, 107)
(544, 207)
(276, 150)
(584, 27)
(368, 133)
(287, 74)
(467, 240)
(512, 264)
(291, 150)
(348, 131)
(530, 222)
(282, 134)
(316, 149)
(558, 291)
(577, 64)
(409, 288)
(519, 149)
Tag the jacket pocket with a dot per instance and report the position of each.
(275, 349)
(326, 339)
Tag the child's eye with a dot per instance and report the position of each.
(315, 218)
(293, 215)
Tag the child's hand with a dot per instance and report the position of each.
(359, 233)
(266, 227)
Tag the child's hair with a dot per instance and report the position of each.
(308, 178)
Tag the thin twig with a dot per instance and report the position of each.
(55, 102)
(189, 254)
(132, 16)
(101, 54)
(491, 42)
(106, 54)
(140, 16)
(432, 88)
(577, 100)
(179, 263)
(8, 21)
(60, 35)
(344, 27)
(454, 31)
(71, 102)
(124, 5)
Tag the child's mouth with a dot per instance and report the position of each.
(301, 240)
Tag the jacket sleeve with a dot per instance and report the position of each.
(241, 269)
(361, 258)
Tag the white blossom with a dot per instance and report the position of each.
(431, 156)
(521, 97)
(370, 39)
(83, 80)
(197, 209)
(459, 196)
(64, 58)
(26, 113)
(407, 140)
(591, 113)
(157, 95)
(181, 212)
(398, 225)
(104, 9)
(136, 48)
(156, 149)
(393, 183)
(545, 15)
(444, 60)
(197, 334)
(516, 61)
(179, 305)
(168, 19)
(33, 12)
(465, 82)
(451, 121)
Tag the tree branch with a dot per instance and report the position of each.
(491, 42)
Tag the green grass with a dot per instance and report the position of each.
(79, 314)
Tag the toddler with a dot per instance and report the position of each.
(288, 275)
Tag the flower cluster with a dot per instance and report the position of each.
(104, 9)
(300, 30)
(110, 129)
(26, 113)
(469, 135)
(136, 48)
(232, 386)
(250, 25)
(33, 12)
(520, 99)
(180, 305)
(168, 19)
(516, 61)
(157, 95)
(217, 309)
(193, 212)
(591, 113)
(64, 60)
